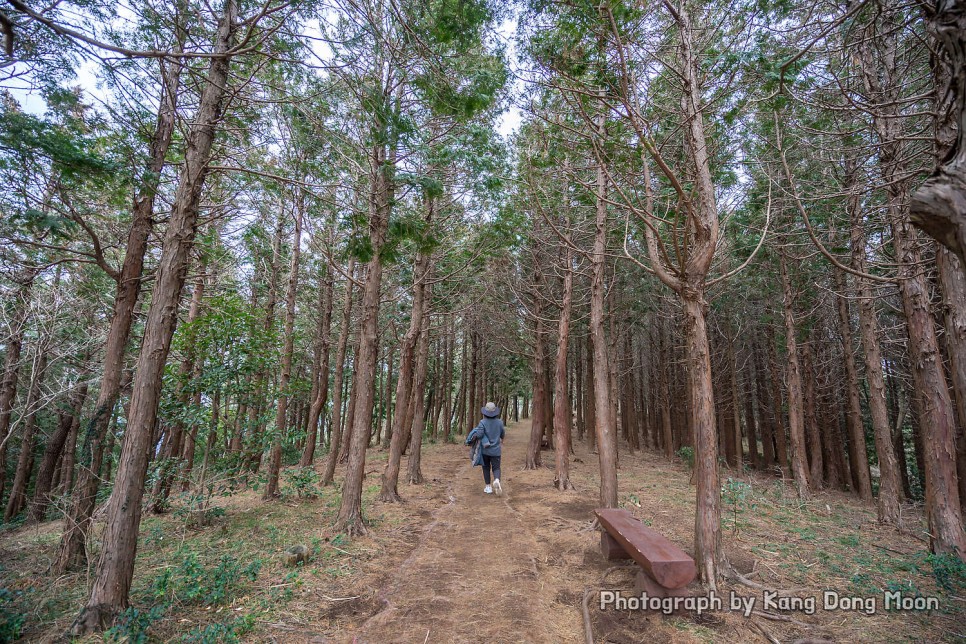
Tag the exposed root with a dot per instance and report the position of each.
(352, 525)
(588, 627)
(92, 619)
(390, 496)
(781, 618)
(768, 636)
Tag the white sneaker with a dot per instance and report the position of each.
(488, 489)
(497, 487)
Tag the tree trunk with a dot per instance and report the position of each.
(590, 413)
(25, 464)
(77, 520)
(953, 281)
(275, 456)
(938, 207)
(11, 370)
(858, 457)
(54, 450)
(319, 400)
(750, 421)
(176, 440)
(889, 472)
(796, 416)
(562, 416)
(605, 426)
(447, 387)
(935, 411)
(65, 478)
(335, 434)
(404, 384)
(115, 568)
(816, 464)
(350, 511)
(414, 475)
(707, 523)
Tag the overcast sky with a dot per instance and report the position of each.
(31, 101)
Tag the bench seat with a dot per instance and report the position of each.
(666, 563)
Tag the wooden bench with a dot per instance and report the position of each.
(665, 568)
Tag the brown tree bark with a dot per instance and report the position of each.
(115, 567)
(335, 434)
(25, 463)
(935, 414)
(935, 411)
(539, 421)
(953, 281)
(778, 427)
(172, 452)
(350, 511)
(816, 461)
(858, 457)
(414, 474)
(13, 346)
(321, 379)
(605, 425)
(447, 387)
(796, 416)
(64, 482)
(938, 207)
(766, 415)
(561, 398)
(77, 520)
(750, 421)
(590, 412)
(54, 450)
(404, 385)
(275, 456)
(889, 469)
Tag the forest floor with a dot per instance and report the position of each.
(452, 564)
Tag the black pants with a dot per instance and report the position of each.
(490, 462)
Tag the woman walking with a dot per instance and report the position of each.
(490, 433)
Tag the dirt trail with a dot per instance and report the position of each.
(474, 576)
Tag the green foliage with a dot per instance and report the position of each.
(737, 495)
(191, 582)
(71, 152)
(12, 616)
(132, 625)
(221, 632)
(302, 482)
(686, 454)
(949, 571)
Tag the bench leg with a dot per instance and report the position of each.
(644, 584)
(611, 549)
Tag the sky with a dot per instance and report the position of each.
(32, 103)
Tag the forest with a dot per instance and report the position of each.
(264, 262)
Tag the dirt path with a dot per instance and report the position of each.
(474, 575)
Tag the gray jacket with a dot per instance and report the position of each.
(493, 432)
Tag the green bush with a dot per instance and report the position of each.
(949, 571)
(221, 632)
(192, 583)
(686, 454)
(132, 625)
(303, 482)
(11, 617)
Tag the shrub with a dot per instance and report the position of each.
(192, 583)
(11, 617)
(686, 454)
(132, 625)
(302, 482)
